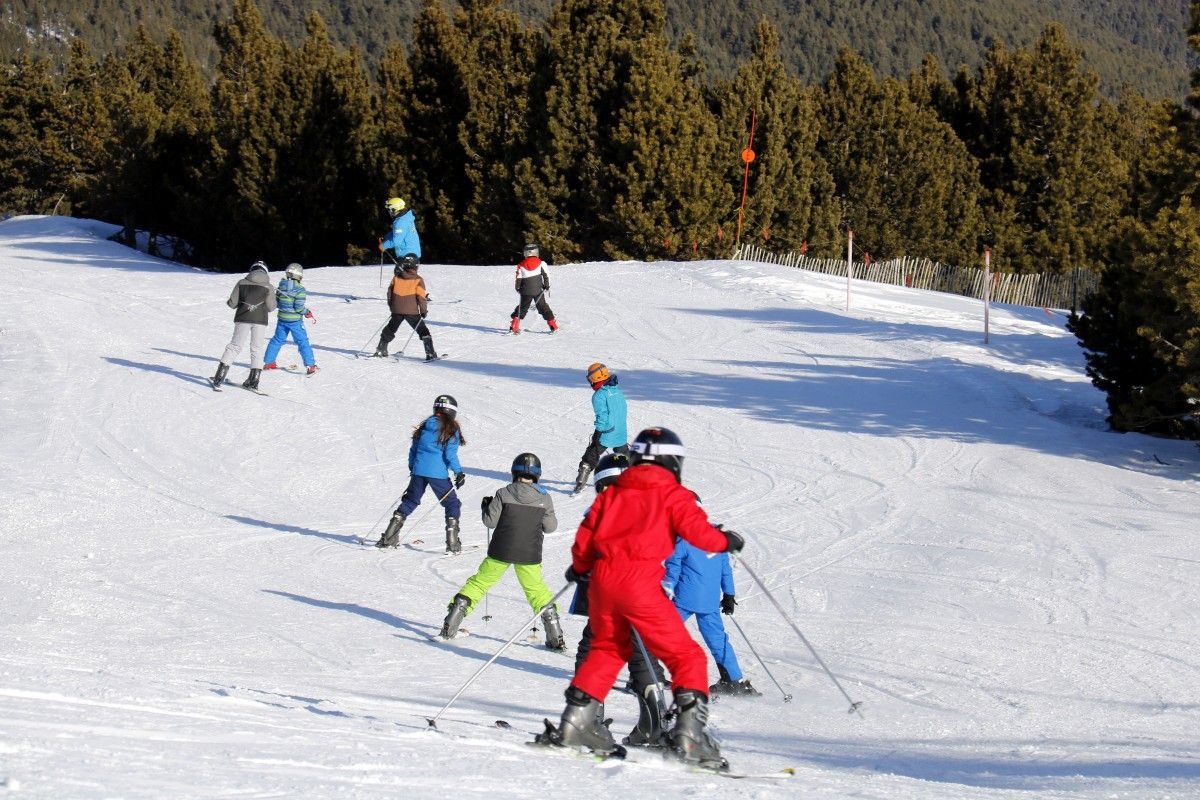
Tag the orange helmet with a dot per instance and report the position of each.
(597, 373)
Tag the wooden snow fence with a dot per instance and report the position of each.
(1044, 290)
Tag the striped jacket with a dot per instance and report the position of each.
(290, 297)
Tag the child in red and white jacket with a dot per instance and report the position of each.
(532, 283)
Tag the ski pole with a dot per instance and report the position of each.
(421, 518)
(854, 705)
(433, 720)
(787, 698)
(375, 524)
(406, 341)
(660, 695)
(381, 262)
(367, 343)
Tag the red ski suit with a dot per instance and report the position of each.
(623, 541)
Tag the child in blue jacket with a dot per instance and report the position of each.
(701, 583)
(432, 457)
(609, 433)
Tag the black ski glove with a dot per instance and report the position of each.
(574, 577)
(483, 506)
(733, 541)
(728, 603)
(459, 480)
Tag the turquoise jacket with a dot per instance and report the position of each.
(609, 404)
(403, 238)
(290, 297)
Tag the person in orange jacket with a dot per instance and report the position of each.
(409, 302)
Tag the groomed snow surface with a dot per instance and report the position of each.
(186, 611)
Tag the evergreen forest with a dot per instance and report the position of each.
(601, 134)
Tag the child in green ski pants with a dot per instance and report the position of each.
(521, 513)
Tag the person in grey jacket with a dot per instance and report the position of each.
(521, 514)
(253, 300)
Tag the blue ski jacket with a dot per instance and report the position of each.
(698, 578)
(403, 238)
(609, 404)
(429, 459)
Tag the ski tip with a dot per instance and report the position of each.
(502, 724)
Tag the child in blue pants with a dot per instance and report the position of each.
(701, 583)
(291, 299)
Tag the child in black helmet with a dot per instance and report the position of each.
(645, 677)
(521, 514)
(432, 456)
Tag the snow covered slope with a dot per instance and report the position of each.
(185, 610)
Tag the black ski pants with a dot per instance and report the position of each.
(393, 325)
(543, 307)
(591, 456)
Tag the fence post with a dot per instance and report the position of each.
(849, 265)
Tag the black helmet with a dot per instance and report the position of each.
(531, 249)
(608, 469)
(659, 446)
(445, 404)
(527, 465)
(410, 261)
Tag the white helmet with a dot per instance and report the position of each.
(294, 271)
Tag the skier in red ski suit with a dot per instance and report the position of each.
(620, 547)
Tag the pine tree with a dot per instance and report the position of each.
(433, 116)
(904, 180)
(496, 129)
(1141, 329)
(1053, 183)
(251, 106)
(85, 131)
(327, 145)
(790, 188)
(34, 164)
(590, 79)
(667, 191)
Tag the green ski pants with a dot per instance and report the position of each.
(491, 571)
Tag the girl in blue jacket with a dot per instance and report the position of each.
(432, 457)
(701, 583)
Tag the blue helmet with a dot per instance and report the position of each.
(527, 465)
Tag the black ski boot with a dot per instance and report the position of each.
(728, 686)
(649, 730)
(554, 632)
(391, 536)
(218, 380)
(453, 544)
(458, 611)
(585, 470)
(430, 353)
(582, 726)
(689, 738)
(251, 383)
(381, 350)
